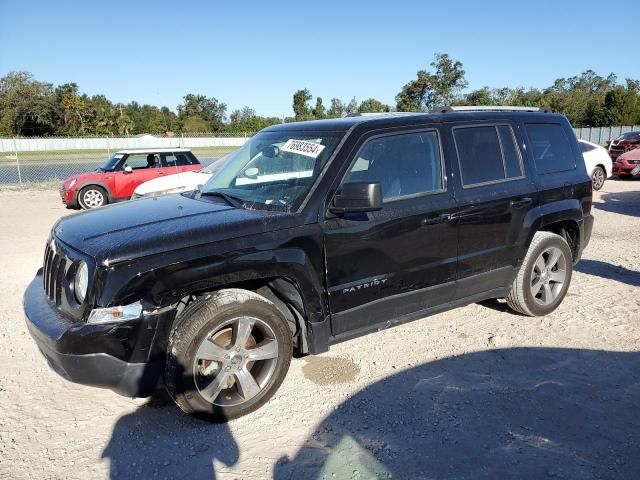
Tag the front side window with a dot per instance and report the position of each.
(140, 161)
(404, 164)
(550, 148)
(487, 154)
(274, 170)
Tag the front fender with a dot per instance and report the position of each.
(98, 183)
(163, 279)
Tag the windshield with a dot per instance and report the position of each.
(629, 136)
(110, 164)
(274, 170)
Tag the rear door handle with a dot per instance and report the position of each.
(521, 202)
(439, 219)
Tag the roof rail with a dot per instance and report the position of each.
(376, 114)
(487, 108)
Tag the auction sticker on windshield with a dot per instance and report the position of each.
(302, 147)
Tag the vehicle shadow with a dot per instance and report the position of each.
(160, 441)
(623, 203)
(512, 413)
(610, 272)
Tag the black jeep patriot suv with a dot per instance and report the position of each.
(312, 233)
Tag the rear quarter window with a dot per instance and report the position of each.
(550, 148)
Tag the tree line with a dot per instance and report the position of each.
(29, 107)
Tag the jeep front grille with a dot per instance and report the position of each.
(54, 273)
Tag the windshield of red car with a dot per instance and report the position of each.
(110, 164)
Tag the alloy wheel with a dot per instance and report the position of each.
(598, 178)
(548, 275)
(93, 198)
(235, 362)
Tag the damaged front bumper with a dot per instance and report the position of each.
(126, 357)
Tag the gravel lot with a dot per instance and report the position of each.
(473, 393)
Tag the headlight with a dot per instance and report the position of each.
(73, 183)
(81, 282)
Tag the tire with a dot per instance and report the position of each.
(598, 177)
(541, 284)
(92, 196)
(209, 371)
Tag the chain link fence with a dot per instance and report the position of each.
(34, 161)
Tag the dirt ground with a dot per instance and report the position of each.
(477, 392)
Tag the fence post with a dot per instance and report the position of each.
(15, 148)
(108, 148)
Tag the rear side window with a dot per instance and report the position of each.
(487, 154)
(404, 164)
(585, 147)
(550, 148)
(185, 159)
(169, 160)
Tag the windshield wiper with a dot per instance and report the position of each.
(230, 199)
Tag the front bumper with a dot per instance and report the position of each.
(69, 197)
(125, 357)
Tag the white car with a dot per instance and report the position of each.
(597, 161)
(177, 183)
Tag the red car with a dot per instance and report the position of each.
(119, 176)
(627, 165)
(624, 143)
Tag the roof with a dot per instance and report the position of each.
(391, 119)
(130, 151)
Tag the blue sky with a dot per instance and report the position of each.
(259, 53)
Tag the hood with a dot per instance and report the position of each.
(83, 177)
(630, 155)
(189, 180)
(149, 226)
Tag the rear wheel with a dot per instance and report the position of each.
(228, 353)
(92, 197)
(544, 276)
(598, 177)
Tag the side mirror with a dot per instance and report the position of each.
(128, 169)
(357, 197)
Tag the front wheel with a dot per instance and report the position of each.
(92, 197)
(598, 176)
(228, 353)
(544, 276)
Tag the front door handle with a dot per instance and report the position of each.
(521, 202)
(439, 219)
